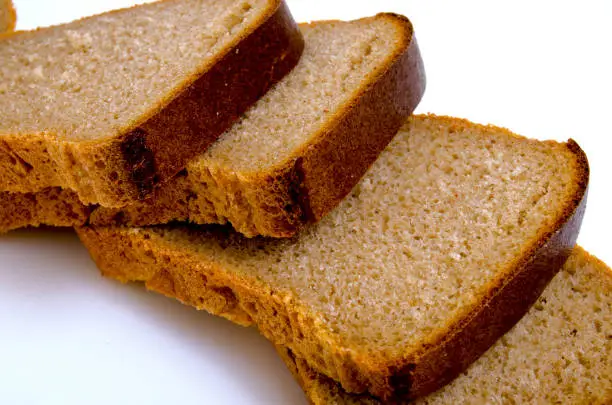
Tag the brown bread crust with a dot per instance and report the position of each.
(125, 168)
(8, 17)
(166, 267)
(53, 206)
(303, 188)
(319, 389)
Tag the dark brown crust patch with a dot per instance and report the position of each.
(299, 207)
(140, 162)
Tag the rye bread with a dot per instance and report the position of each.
(442, 247)
(128, 97)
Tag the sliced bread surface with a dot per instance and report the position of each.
(297, 152)
(559, 353)
(8, 17)
(112, 105)
(439, 250)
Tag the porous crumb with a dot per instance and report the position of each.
(98, 76)
(537, 362)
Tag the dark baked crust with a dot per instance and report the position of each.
(52, 206)
(123, 169)
(8, 17)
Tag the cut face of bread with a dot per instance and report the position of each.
(7, 16)
(440, 249)
(341, 59)
(112, 105)
(300, 149)
(559, 353)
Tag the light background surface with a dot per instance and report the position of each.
(68, 336)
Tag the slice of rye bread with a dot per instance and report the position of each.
(123, 100)
(559, 353)
(8, 18)
(295, 154)
(442, 247)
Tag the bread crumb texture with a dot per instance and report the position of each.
(94, 77)
(559, 353)
(339, 57)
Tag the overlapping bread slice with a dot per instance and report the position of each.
(112, 105)
(559, 353)
(441, 248)
(294, 155)
(7, 16)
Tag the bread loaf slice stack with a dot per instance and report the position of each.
(380, 288)
(440, 249)
(113, 105)
(559, 353)
(291, 157)
(7, 16)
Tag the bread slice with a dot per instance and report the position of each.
(8, 18)
(111, 105)
(559, 353)
(301, 148)
(442, 247)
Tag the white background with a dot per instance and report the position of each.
(68, 336)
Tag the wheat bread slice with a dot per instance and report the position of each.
(112, 105)
(441, 248)
(300, 149)
(8, 17)
(559, 353)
